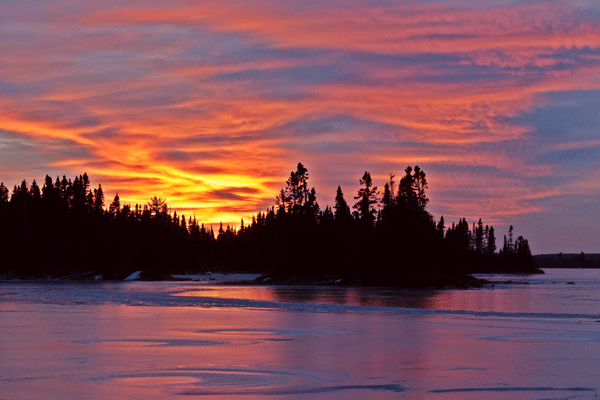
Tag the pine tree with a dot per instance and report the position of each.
(479, 238)
(85, 181)
(420, 183)
(98, 205)
(342, 211)
(387, 204)
(411, 192)
(89, 201)
(3, 193)
(296, 194)
(367, 199)
(312, 207)
(115, 206)
(440, 228)
(157, 206)
(3, 206)
(491, 242)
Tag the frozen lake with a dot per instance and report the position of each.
(167, 340)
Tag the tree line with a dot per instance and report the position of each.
(65, 228)
(571, 260)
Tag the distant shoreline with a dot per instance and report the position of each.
(567, 260)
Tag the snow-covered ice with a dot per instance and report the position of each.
(167, 340)
(134, 277)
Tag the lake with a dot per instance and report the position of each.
(537, 339)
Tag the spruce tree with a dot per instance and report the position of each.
(342, 211)
(115, 206)
(491, 242)
(367, 199)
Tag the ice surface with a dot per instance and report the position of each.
(166, 340)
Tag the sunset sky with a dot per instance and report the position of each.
(211, 104)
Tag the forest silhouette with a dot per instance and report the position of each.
(65, 229)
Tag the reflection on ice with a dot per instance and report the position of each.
(555, 337)
(166, 340)
(235, 381)
(543, 302)
(517, 389)
(278, 332)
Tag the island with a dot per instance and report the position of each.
(64, 230)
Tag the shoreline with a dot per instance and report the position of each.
(412, 282)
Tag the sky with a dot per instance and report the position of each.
(211, 104)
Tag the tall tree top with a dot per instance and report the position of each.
(296, 194)
(367, 199)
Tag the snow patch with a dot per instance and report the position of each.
(134, 277)
(216, 277)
